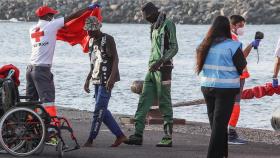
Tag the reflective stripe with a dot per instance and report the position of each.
(166, 82)
(218, 80)
(219, 68)
(162, 44)
(42, 65)
(48, 104)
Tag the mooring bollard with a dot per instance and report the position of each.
(275, 120)
(137, 87)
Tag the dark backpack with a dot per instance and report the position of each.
(8, 95)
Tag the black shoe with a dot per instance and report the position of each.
(134, 140)
(233, 138)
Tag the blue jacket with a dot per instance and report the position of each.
(219, 70)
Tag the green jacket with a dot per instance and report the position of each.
(164, 42)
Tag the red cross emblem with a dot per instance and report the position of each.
(37, 35)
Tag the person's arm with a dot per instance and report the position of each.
(172, 49)
(276, 67)
(60, 22)
(247, 50)
(75, 15)
(115, 64)
(173, 44)
(87, 82)
(254, 44)
(81, 12)
(275, 72)
(277, 60)
(239, 61)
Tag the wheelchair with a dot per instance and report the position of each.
(25, 125)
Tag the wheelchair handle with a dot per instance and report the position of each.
(10, 74)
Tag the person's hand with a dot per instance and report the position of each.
(274, 82)
(256, 43)
(110, 84)
(94, 5)
(86, 86)
(154, 67)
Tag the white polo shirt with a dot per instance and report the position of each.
(43, 41)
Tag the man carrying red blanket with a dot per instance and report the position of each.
(39, 78)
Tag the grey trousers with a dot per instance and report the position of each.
(40, 84)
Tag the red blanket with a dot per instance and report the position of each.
(260, 91)
(73, 31)
(4, 71)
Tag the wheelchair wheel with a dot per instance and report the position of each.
(22, 132)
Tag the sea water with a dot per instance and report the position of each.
(71, 66)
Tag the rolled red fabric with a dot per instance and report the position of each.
(277, 90)
(259, 91)
(269, 89)
(247, 94)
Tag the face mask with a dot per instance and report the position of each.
(93, 33)
(240, 31)
(151, 19)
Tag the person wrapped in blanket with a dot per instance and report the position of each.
(40, 84)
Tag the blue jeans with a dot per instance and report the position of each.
(102, 114)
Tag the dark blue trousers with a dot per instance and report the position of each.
(102, 114)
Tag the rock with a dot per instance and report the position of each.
(222, 12)
(272, 2)
(180, 11)
(190, 12)
(114, 6)
(244, 14)
(13, 20)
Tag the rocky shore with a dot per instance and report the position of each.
(128, 11)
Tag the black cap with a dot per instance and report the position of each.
(149, 8)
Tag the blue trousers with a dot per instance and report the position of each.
(102, 114)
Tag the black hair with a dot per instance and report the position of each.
(219, 29)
